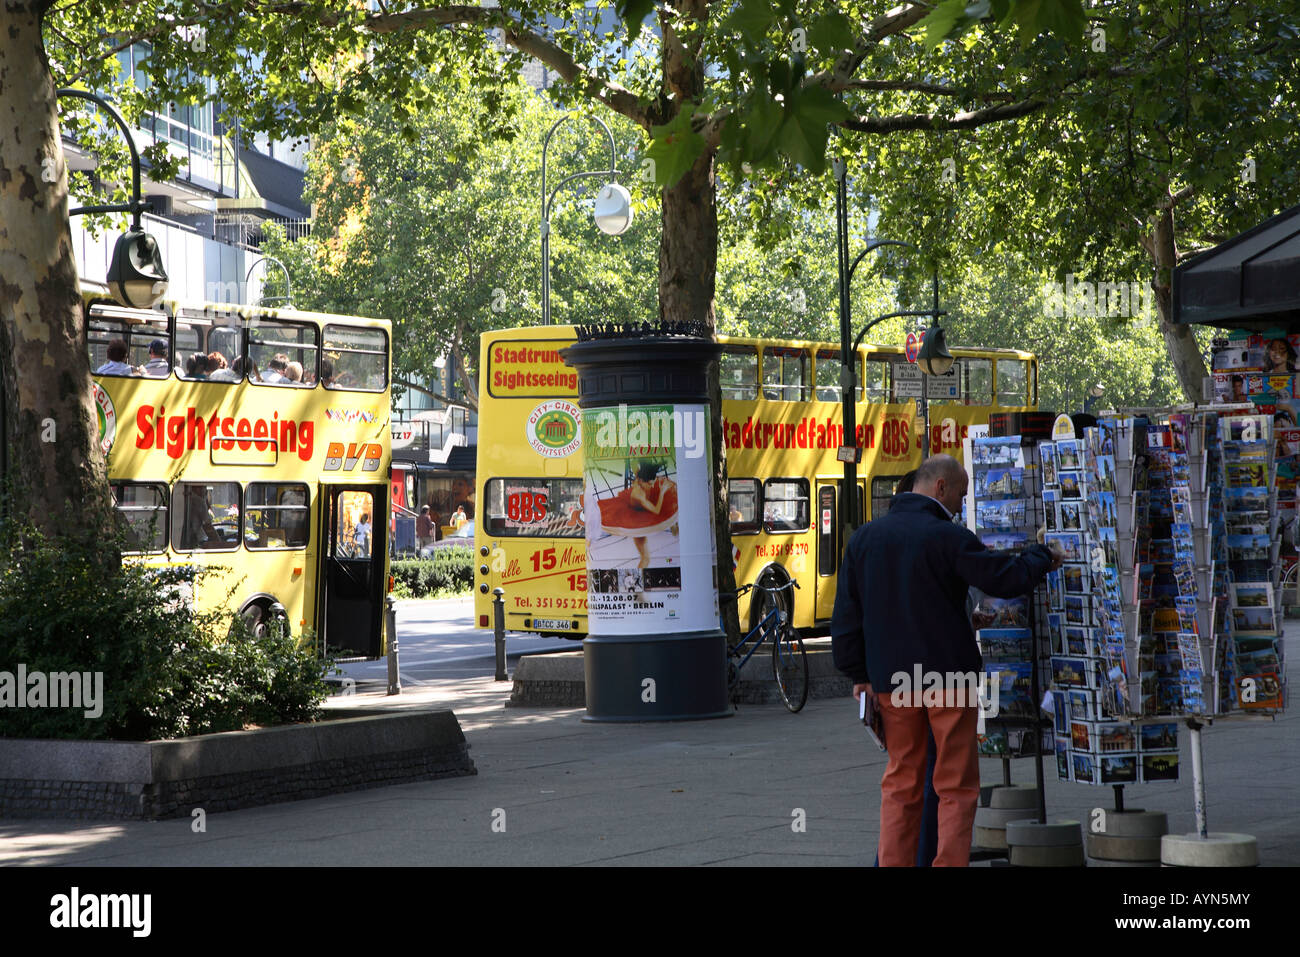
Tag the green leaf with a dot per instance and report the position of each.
(675, 148)
(633, 14)
(806, 128)
(762, 122)
(830, 34)
(752, 18)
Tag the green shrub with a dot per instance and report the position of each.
(448, 571)
(168, 670)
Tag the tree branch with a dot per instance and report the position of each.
(616, 97)
(935, 121)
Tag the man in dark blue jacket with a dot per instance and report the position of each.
(900, 616)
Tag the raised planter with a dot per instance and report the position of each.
(150, 780)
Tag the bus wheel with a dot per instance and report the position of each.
(263, 617)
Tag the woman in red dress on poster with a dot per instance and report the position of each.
(647, 506)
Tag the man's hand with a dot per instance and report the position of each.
(1058, 555)
(858, 689)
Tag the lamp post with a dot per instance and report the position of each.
(288, 291)
(613, 212)
(849, 452)
(136, 276)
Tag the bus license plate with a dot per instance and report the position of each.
(553, 624)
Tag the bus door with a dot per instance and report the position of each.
(829, 547)
(351, 600)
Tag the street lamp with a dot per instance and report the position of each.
(136, 277)
(613, 212)
(849, 453)
(288, 291)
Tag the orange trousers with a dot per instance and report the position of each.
(956, 781)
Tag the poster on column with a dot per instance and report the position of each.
(648, 505)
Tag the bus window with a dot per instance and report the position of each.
(127, 334)
(355, 359)
(205, 516)
(206, 340)
(827, 368)
(883, 488)
(738, 373)
(282, 353)
(785, 505)
(275, 515)
(549, 508)
(1013, 382)
(743, 497)
(977, 389)
(785, 374)
(875, 380)
(143, 506)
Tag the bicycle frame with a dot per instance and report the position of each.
(761, 630)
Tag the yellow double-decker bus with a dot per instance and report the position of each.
(254, 443)
(782, 427)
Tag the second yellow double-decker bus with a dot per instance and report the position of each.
(782, 427)
(254, 443)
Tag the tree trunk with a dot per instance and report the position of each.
(52, 458)
(688, 259)
(1184, 352)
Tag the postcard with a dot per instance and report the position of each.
(1084, 768)
(1070, 672)
(1078, 610)
(1069, 516)
(1159, 767)
(1080, 736)
(1047, 457)
(1076, 579)
(1160, 737)
(1060, 712)
(1049, 509)
(1003, 644)
(1000, 483)
(999, 450)
(1080, 706)
(1072, 484)
(1069, 454)
(1005, 513)
(1063, 768)
(1119, 768)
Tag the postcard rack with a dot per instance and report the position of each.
(1001, 507)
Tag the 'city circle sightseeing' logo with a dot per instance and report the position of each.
(552, 429)
(105, 418)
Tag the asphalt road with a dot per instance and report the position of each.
(438, 639)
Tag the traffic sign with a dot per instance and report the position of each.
(914, 341)
(909, 382)
(946, 386)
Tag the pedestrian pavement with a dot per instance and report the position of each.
(761, 787)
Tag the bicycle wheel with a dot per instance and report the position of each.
(790, 666)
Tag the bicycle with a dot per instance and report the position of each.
(789, 659)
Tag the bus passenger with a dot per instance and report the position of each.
(196, 366)
(222, 372)
(157, 364)
(363, 535)
(326, 373)
(116, 364)
(293, 371)
(198, 529)
(275, 374)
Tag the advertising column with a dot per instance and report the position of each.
(654, 651)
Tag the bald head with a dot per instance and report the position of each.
(942, 477)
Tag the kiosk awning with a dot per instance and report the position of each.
(1252, 281)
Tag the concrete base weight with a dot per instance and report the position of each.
(1217, 850)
